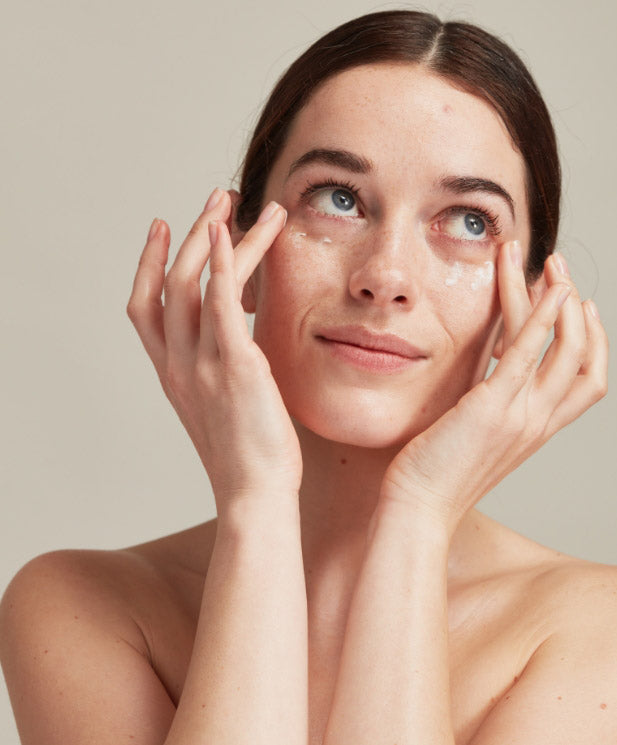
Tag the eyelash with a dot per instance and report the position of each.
(311, 187)
(491, 219)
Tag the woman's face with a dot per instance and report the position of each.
(396, 230)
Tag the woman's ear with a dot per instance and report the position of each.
(248, 291)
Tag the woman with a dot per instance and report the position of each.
(393, 231)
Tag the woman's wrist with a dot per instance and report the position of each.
(416, 521)
(260, 509)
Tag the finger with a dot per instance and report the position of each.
(144, 307)
(224, 331)
(250, 250)
(518, 364)
(515, 304)
(590, 385)
(182, 284)
(567, 351)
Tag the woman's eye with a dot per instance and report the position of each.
(334, 202)
(464, 226)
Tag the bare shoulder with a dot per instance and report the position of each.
(580, 595)
(83, 586)
(567, 688)
(97, 641)
(122, 590)
(76, 660)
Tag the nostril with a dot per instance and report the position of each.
(401, 298)
(367, 293)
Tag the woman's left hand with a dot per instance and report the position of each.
(448, 468)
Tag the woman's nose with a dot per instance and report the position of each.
(389, 271)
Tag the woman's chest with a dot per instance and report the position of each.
(485, 662)
(493, 633)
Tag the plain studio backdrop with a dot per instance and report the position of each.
(115, 113)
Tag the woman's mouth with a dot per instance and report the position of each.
(370, 350)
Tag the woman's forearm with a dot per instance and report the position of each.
(393, 682)
(248, 677)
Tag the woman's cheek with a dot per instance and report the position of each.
(471, 276)
(302, 252)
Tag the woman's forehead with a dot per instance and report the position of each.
(403, 117)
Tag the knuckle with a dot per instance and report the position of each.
(204, 379)
(197, 228)
(172, 281)
(135, 310)
(176, 380)
(599, 388)
(527, 362)
(580, 354)
(218, 309)
(514, 421)
(536, 429)
(132, 310)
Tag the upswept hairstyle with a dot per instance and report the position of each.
(466, 56)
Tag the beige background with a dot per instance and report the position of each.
(118, 112)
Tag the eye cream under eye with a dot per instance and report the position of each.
(455, 274)
(483, 275)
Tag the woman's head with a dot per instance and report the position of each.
(400, 184)
(463, 54)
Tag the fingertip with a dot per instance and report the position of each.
(153, 229)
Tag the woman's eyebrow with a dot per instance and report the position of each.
(341, 158)
(359, 164)
(464, 184)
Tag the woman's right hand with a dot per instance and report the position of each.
(217, 378)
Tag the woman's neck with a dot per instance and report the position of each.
(338, 495)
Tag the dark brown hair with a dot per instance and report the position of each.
(467, 56)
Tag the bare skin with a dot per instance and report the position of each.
(403, 262)
(513, 594)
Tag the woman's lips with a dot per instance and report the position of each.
(370, 348)
(376, 360)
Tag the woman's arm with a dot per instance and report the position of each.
(393, 684)
(77, 665)
(248, 677)
(79, 670)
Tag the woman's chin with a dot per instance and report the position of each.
(376, 430)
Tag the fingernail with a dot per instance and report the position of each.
(213, 199)
(563, 296)
(593, 309)
(268, 212)
(561, 263)
(516, 254)
(213, 231)
(153, 228)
